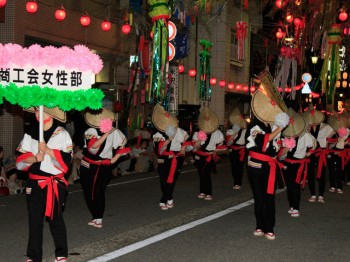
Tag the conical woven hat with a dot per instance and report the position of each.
(237, 118)
(55, 112)
(297, 124)
(162, 119)
(208, 121)
(93, 118)
(337, 121)
(264, 108)
(313, 116)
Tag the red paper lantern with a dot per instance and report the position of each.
(222, 83)
(31, 7)
(278, 3)
(238, 86)
(245, 88)
(297, 21)
(289, 18)
(2, 3)
(252, 89)
(118, 107)
(60, 14)
(231, 86)
(126, 28)
(279, 33)
(181, 68)
(151, 34)
(192, 72)
(212, 81)
(85, 20)
(106, 25)
(343, 16)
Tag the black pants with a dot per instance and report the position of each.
(36, 203)
(236, 167)
(312, 176)
(94, 181)
(293, 188)
(264, 203)
(204, 170)
(335, 171)
(166, 188)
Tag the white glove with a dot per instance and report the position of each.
(282, 120)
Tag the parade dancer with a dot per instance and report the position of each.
(47, 162)
(170, 145)
(298, 142)
(338, 156)
(104, 144)
(206, 143)
(318, 160)
(235, 140)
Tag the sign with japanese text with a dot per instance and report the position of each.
(173, 103)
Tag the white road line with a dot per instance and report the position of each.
(169, 233)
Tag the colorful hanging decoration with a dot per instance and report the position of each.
(289, 57)
(160, 14)
(331, 64)
(204, 91)
(241, 33)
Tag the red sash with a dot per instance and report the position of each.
(273, 163)
(52, 190)
(241, 151)
(303, 166)
(173, 165)
(321, 153)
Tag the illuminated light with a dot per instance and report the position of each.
(85, 20)
(222, 83)
(252, 89)
(344, 84)
(297, 21)
(239, 87)
(337, 84)
(126, 28)
(60, 14)
(171, 51)
(314, 59)
(106, 25)
(181, 68)
(231, 86)
(172, 30)
(278, 3)
(192, 72)
(289, 18)
(343, 16)
(245, 88)
(297, 2)
(31, 7)
(279, 33)
(2, 3)
(345, 75)
(213, 81)
(151, 34)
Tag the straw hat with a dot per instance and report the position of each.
(93, 118)
(162, 119)
(55, 112)
(264, 108)
(297, 124)
(236, 117)
(313, 116)
(337, 121)
(208, 121)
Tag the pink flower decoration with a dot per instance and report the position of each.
(342, 132)
(289, 142)
(202, 136)
(106, 125)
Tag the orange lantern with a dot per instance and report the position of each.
(192, 72)
(31, 7)
(60, 14)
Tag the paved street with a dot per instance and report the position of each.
(135, 229)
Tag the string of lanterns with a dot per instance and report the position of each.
(60, 15)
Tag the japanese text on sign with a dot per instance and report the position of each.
(173, 104)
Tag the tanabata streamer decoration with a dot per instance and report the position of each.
(290, 55)
(331, 64)
(159, 11)
(241, 33)
(49, 76)
(204, 90)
